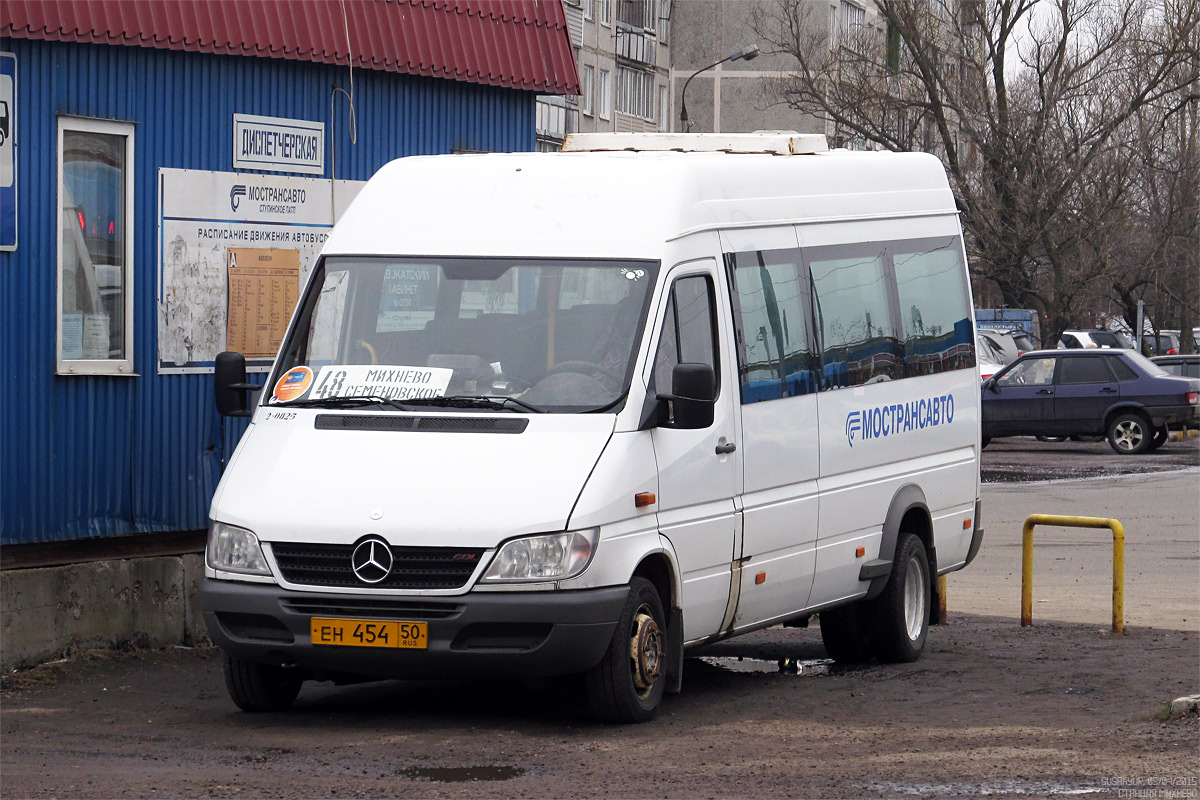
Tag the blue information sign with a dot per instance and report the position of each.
(8, 151)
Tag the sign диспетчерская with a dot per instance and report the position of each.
(275, 144)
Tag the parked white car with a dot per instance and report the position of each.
(1094, 337)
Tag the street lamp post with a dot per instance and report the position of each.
(747, 53)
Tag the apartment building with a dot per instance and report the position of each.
(623, 52)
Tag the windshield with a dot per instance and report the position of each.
(555, 335)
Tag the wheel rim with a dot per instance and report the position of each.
(645, 651)
(914, 598)
(1128, 434)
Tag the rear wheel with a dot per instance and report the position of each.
(1130, 434)
(627, 685)
(844, 632)
(901, 614)
(260, 687)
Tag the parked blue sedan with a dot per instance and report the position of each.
(1115, 393)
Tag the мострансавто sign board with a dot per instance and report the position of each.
(274, 144)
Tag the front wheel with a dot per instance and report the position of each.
(627, 685)
(902, 611)
(260, 687)
(1129, 434)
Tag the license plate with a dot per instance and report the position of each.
(369, 633)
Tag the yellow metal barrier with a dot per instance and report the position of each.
(1118, 586)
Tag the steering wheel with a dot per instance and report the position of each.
(583, 368)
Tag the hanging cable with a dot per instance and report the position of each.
(350, 63)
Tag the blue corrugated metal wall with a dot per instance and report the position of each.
(104, 456)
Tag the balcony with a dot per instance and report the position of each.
(634, 44)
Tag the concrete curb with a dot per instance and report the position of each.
(146, 602)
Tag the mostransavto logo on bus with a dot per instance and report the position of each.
(890, 420)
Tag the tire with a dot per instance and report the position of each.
(1130, 434)
(259, 687)
(901, 612)
(844, 632)
(1054, 439)
(627, 685)
(1161, 434)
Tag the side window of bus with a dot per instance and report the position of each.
(688, 332)
(770, 308)
(853, 296)
(935, 305)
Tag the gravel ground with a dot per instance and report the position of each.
(1021, 459)
(990, 709)
(1062, 708)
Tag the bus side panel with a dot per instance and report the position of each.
(874, 441)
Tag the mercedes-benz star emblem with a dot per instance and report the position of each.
(372, 560)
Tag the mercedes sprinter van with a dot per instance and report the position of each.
(581, 412)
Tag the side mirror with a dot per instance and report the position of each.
(229, 385)
(991, 384)
(694, 395)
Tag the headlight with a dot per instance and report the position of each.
(235, 550)
(554, 557)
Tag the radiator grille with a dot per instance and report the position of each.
(412, 567)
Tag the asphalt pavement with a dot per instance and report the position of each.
(1155, 496)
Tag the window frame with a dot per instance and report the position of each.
(807, 318)
(671, 309)
(1060, 377)
(604, 95)
(587, 81)
(97, 366)
(880, 250)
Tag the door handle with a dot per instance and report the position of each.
(1108, 390)
(1045, 391)
(726, 449)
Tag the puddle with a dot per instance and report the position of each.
(461, 774)
(781, 666)
(984, 789)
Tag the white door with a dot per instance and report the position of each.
(700, 471)
(778, 385)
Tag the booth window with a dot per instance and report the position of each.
(95, 247)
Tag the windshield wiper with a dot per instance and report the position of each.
(347, 401)
(475, 401)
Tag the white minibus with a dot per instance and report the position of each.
(582, 412)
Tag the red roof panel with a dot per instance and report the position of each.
(520, 44)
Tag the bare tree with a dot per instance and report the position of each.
(1028, 103)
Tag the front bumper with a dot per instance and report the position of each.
(510, 634)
